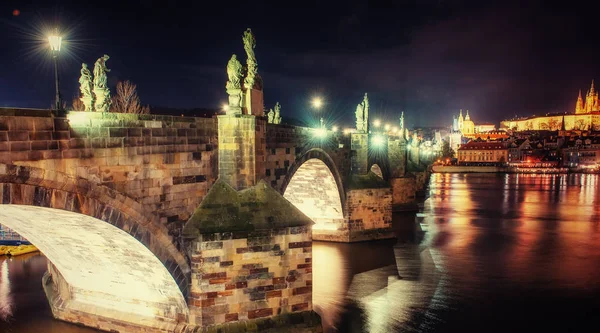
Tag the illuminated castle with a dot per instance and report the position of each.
(586, 117)
(591, 101)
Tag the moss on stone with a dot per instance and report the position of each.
(370, 180)
(306, 321)
(260, 207)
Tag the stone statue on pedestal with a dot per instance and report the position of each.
(270, 116)
(86, 86)
(277, 118)
(402, 122)
(234, 85)
(362, 115)
(252, 66)
(101, 90)
(415, 140)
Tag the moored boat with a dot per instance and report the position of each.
(21, 249)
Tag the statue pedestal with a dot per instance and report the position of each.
(235, 101)
(255, 102)
(102, 99)
(88, 102)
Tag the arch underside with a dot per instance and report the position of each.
(99, 269)
(24, 185)
(313, 189)
(377, 170)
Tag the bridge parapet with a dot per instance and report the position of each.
(166, 163)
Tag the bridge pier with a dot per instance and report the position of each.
(251, 255)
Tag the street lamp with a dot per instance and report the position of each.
(55, 41)
(317, 102)
(377, 123)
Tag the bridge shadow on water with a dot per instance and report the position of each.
(375, 286)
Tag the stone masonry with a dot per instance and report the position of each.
(251, 254)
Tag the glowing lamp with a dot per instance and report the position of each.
(387, 127)
(378, 140)
(377, 123)
(225, 107)
(394, 129)
(55, 42)
(334, 128)
(317, 102)
(347, 131)
(320, 132)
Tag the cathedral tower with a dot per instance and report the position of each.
(460, 121)
(591, 100)
(579, 108)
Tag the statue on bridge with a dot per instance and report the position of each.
(277, 118)
(362, 115)
(234, 85)
(402, 122)
(234, 73)
(249, 45)
(86, 86)
(270, 116)
(101, 90)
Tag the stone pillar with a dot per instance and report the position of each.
(237, 150)
(397, 157)
(251, 255)
(360, 153)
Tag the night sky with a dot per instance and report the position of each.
(427, 58)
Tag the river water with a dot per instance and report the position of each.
(485, 253)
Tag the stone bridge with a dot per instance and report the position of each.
(147, 175)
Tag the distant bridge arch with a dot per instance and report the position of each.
(313, 184)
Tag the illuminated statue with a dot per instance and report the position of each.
(362, 115)
(249, 45)
(402, 122)
(86, 86)
(270, 116)
(234, 86)
(415, 140)
(101, 90)
(100, 71)
(234, 73)
(277, 118)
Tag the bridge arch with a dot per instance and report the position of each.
(313, 184)
(376, 170)
(99, 275)
(24, 185)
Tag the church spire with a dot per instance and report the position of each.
(579, 107)
(592, 88)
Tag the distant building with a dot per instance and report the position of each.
(9, 234)
(585, 117)
(479, 128)
(483, 152)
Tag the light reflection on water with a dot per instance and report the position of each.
(501, 253)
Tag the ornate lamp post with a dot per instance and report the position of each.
(55, 41)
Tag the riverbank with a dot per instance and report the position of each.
(497, 169)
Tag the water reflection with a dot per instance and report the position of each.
(502, 252)
(23, 304)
